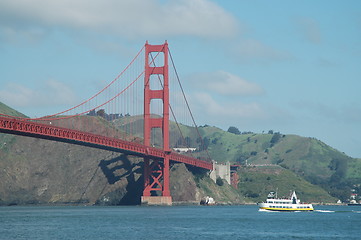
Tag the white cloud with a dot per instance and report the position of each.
(226, 84)
(53, 93)
(220, 98)
(349, 113)
(21, 35)
(229, 84)
(132, 18)
(223, 99)
(228, 109)
(251, 51)
(310, 29)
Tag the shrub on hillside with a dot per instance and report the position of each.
(219, 181)
(234, 130)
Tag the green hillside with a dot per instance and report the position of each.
(308, 158)
(4, 109)
(257, 182)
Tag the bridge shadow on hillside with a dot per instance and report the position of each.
(121, 167)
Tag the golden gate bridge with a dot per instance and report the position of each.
(137, 108)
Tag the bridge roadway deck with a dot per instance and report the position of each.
(44, 131)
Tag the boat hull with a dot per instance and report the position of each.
(291, 204)
(286, 207)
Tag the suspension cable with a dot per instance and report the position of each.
(106, 87)
(66, 117)
(186, 101)
(170, 107)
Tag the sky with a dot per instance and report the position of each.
(288, 66)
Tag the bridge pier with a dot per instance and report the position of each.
(156, 180)
(157, 200)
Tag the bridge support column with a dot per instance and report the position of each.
(156, 180)
(156, 173)
(166, 191)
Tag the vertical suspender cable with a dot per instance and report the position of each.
(187, 102)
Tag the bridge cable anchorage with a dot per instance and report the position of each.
(189, 109)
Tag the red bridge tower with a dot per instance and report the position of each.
(156, 171)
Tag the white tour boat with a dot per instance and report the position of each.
(284, 204)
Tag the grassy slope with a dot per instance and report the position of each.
(7, 140)
(9, 111)
(305, 156)
(354, 169)
(309, 158)
(257, 182)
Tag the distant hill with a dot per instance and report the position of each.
(307, 157)
(4, 109)
(257, 181)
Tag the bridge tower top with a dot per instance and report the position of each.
(163, 94)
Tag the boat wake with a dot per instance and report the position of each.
(264, 210)
(324, 211)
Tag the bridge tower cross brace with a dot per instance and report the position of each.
(156, 170)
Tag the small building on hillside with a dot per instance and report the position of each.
(184, 150)
(221, 170)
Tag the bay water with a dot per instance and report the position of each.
(177, 222)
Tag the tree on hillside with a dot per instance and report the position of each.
(233, 130)
(276, 137)
(204, 143)
(188, 141)
(101, 113)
